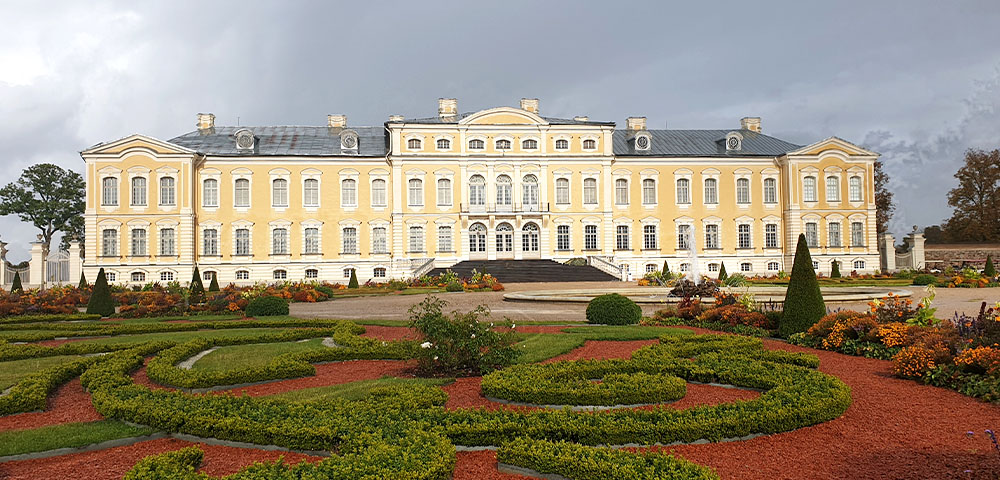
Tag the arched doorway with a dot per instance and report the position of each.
(530, 241)
(505, 240)
(477, 241)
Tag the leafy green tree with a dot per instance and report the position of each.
(49, 197)
(722, 272)
(885, 206)
(197, 294)
(835, 272)
(990, 270)
(214, 286)
(804, 304)
(101, 302)
(976, 199)
(354, 280)
(83, 281)
(15, 286)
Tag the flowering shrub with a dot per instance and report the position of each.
(892, 308)
(460, 343)
(913, 362)
(737, 314)
(837, 328)
(983, 360)
(893, 334)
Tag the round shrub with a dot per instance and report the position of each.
(613, 309)
(267, 307)
(453, 287)
(924, 279)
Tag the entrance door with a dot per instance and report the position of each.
(505, 240)
(477, 242)
(529, 241)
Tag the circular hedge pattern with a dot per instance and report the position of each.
(613, 309)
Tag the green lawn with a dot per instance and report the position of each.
(252, 355)
(190, 318)
(13, 371)
(66, 435)
(536, 347)
(185, 336)
(405, 323)
(353, 390)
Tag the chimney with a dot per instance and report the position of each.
(395, 118)
(206, 121)
(447, 107)
(581, 118)
(636, 123)
(750, 123)
(336, 121)
(529, 104)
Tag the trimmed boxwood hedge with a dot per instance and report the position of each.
(31, 393)
(613, 309)
(267, 306)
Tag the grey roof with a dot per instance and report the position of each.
(457, 118)
(700, 143)
(286, 140)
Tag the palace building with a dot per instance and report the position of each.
(395, 200)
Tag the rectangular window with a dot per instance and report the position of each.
(444, 191)
(712, 236)
(684, 237)
(857, 234)
(590, 191)
(621, 237)
(744, 236)
(167, 242)
(166, 276)
(378, 193)
(109, 243)
(311, 241)
(139, 191)
(809, 189)
(349, 192)
(711, 191)
(742, 191)
(416, 239)
(109, 191)
(242, 275)
(854, 189)
(416, 192)
(771, 235)
(590, 237)
(833, 189)
(168, 192)
(241, 193)
(444, 240)
(310, 192)
(812, 234)
(562, 237)
(562, 191)
(138, 242)
(210, 242)
(350, 239)
(770, 190)
(242, 241)
(379, 243)
(683, 191)
(279, 241)
(279, 193)
(649, 237)
(621, 192)
(210, 193)
(834, 234)
(649, 191)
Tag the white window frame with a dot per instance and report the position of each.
(139, 196)
(142, 241)
(236, 192)
(809, 189)
(284, 242)
(349, 240)
(563, 192)
(445, 239)
(162, 240)
(650, 236)
(237, 241)
(414, 199)
(740, 235)
(621, 191)
(445, 194)
(205, 240)
(114, 237)
(380, 239)
(210, 197)
(564, 237)
(855, 189)
(380, 195)
(349, 192)
(623, 233)
(591, 240)
(416, 241)
(109, 191)
(279, 195)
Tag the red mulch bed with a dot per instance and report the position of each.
(113, 463)
(603, 350)
(481, 465)
(69, 404)
(332, 374)
(390, 333)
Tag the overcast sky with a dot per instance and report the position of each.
(917, 81)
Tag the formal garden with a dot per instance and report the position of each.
(192, 382)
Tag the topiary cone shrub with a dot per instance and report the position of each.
(722, 272)
(354, 279)
(267, 306)
(197, 294)
(835, 271)
(990, 270)
(613, 309)
(101, 302)
(666, 270)
(15, 286)
(214, 286)
(803, 300)
(83, 281)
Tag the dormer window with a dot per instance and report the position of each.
(529, 144)
(476, 144)
(245, 140)
(589, 144)
(562, 144)
(444, 144)
(349, 141)
(503, 144)
(643, 141)
(734, 142)
(413, 144)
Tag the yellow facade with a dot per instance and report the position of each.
(516, 183)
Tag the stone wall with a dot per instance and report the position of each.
(943, 255)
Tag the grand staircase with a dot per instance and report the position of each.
(517, 271)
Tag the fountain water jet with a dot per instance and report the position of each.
(695, 271)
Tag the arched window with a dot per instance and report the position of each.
(279, 274)
(444, 191)
(503, 144)
(589, 144)
(138, 242)
(279, 192)
(771, 235)
(649, 191)
(378, 193)
(310, 192)
(504, 190)
(649, 236)
(812, 234)
(529, 197)
(621, 237)
(529, 237)
(562, 237)
(590, 191)
(279, 241)
(773, 266)
(416, 192)
(242, 241)
(562, 191)
(770, 190)
(529, 144)
(311, 241)
(139, 191)
(416, 239)
(167, 242)
(348, 192)
(210, 193)
(350, 240)
(109, 191)
(109, 242)
(711, 236)
(809, 189)
(683, 191)
(168, 193)
(857, 234)
(241, 195)
(210, 242)
(684, 237)
(590, 237)
(379, 240)
(833, 237)
(505, 238)
(166, 276)
(854, 189)
(477, 190)
(743, 191)
(312, 273)
(477, 237)
(379, 272)
(413, 144)
(744, 238)
(833, 189)
(746, 267)
(711, 191)
(476, 144)
(444, 239)
(562, 144)
(444, 144)
(621, 191)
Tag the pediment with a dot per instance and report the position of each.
(503, 116)
(833, 145)
(137, 142)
